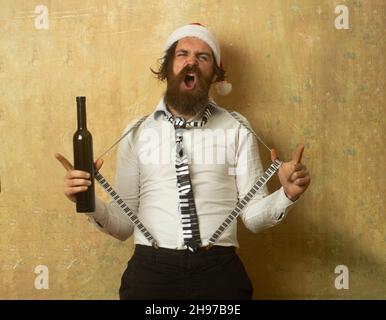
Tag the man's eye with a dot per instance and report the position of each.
(203, 57)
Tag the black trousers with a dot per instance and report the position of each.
(217, 273)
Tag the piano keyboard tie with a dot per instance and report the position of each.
(187, 206)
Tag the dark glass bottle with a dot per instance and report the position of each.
(83, 158)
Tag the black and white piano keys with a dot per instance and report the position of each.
(132, 216)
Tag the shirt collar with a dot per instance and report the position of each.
(161, 109)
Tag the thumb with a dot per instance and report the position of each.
(98, 164)
(273, 154)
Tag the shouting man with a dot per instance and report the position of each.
(168, 175)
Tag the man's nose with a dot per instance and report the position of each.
(192, 61)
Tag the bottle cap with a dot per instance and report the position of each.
(81, 99)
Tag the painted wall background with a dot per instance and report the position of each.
(296, 78)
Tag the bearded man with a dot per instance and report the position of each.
(183, 200)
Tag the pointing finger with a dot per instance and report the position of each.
(299, 153)
(65, 163)
(273, 154)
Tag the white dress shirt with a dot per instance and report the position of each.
(224, 163)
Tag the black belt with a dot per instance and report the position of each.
(139, 248)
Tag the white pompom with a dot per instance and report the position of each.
(223, 88)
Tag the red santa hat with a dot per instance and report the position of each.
(199, 31)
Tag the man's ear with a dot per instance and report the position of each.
(214, 79)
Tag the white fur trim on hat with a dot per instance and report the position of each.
(223, 88)
(198, 31)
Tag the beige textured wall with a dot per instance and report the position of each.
(297, 79)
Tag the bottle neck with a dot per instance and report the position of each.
(81, 111)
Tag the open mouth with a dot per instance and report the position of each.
(190, 81)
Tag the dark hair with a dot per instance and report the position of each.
(167, 60)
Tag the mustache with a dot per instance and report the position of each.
(182, 74)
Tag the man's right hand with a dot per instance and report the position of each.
(75, 181)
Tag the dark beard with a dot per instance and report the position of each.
(187, 103)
